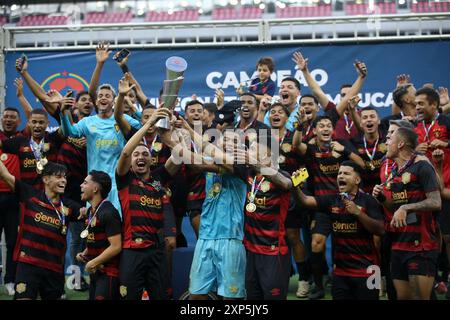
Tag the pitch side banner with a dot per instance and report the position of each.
(212, 68)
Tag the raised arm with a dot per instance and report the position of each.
(124, 163)
(6, 176)
(101, 55)
(297, 144)
(35, 88)
(124, 87)
(26, 106)
(302, 65)
(352, 104)
(354, 89)
(304, 200)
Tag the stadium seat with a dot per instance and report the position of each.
(303, 12)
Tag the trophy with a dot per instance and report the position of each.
(175, 67)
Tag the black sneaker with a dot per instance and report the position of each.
(84, 286)
(316, 293)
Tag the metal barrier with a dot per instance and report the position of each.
(365, 28)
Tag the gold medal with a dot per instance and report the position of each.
(265, 186)
(94, 222)
(371, 166)
(84, 234)
(250, 207)
(4, 157)
(286, 147)
(281, 159)
(157, 146)
(216, 187)
(388, 186)
(39, 167)
(64, 230)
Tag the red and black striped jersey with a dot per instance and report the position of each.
(144, 208)
(411, 186)
(289, 160)
(40, 241)
(20, 146)
(437, 130)
(264, 229)
(195, 188)
(371, 173)
(353, 246)
(323, 167)
(385, 171)
(105, 223)
(73, 155)
(11, 162)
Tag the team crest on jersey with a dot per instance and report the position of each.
(335, 210)
(123, 291)
(21, 287)
(46, 147)
(168, 192)
(116, 126)
(4, 157)
(286, 147)
(406, 177)
(93, 128)
(265, 186)
(157, 146)
(437, 133)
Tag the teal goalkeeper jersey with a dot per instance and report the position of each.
(223, 209)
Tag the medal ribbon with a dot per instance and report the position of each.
(348, 127)
(427, 130)
(61, 216)
(371, 156)
(255, 188)
(395, 173)
(37, 148)
(92, 216)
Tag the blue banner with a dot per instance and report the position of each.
(226, 68)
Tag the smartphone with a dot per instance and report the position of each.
(23, 58)
(300, 177)
(357, 63)
(122, 54)
(69, 93)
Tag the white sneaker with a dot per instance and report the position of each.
(303, 289)
(10, 288)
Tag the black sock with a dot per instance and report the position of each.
(303, 272)
(317, 268)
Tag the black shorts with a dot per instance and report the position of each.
(103, 287)
(409, 263)
(296, 216)
(267, 277)
(144, 269)
(352, 288)
(178, 197)
(444, 217)
(32, 280)
(321, 224)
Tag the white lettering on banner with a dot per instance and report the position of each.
(374, 99)
(216, 79)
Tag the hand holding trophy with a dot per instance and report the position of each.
(175, 67)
